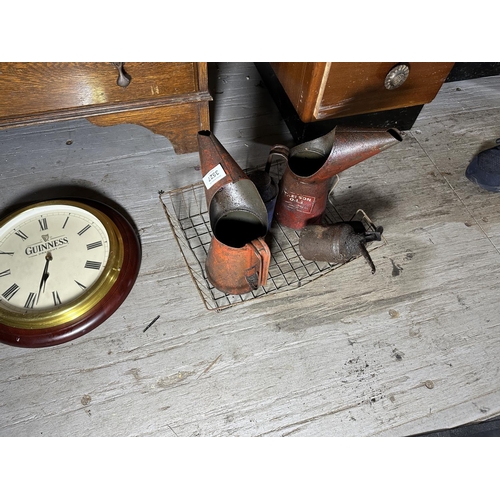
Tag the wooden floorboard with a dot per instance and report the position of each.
(410, 349)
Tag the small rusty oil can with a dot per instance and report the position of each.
(337, 243)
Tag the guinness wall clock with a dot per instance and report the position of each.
(65, 267)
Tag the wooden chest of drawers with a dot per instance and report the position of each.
(353, 93)
(170, 99)
(333, 90)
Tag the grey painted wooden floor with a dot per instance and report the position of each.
(411, 349)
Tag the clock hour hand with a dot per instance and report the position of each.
(45, 274)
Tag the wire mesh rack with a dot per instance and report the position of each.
(187, 213)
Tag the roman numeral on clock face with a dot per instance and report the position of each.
(21, 235)
(92, 264)
(30, 301)
(82, 286)
(96, 244)
(11, 291)
(56, 298)
(86, 228)
(4, 273)
(43, 224)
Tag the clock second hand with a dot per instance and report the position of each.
(45, 275)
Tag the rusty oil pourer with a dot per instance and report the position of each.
(238, 257)
(337, 243)
(311, 166)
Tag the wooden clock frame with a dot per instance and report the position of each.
(65, 332)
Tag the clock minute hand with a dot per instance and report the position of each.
(45, 275)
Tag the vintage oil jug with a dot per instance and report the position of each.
(311, 166)
(238, 257)
(337, 243)
(238, 270)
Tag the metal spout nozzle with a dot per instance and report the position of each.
(340, 149)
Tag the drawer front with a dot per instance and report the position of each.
(356, 88)
(33, 88)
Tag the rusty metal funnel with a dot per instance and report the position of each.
(218, 167)
(310, 167)
(236, 210)
(238, 257)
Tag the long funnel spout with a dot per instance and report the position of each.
(310, 166)
(212, 154)
(236, 210)
(342, 148)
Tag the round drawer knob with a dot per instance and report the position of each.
(396, 77)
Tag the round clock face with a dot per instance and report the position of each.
(49, 256)
(64, 268)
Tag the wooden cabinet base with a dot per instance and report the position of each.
(178, 123)
(170, 99)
